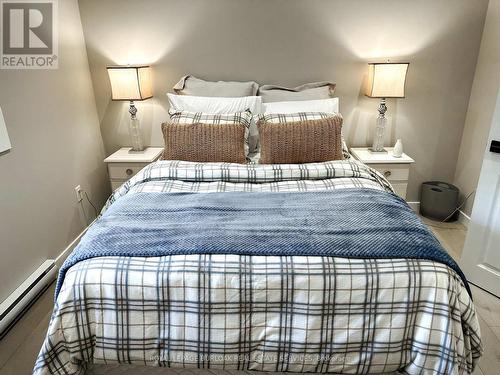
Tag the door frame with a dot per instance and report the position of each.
(472, 261)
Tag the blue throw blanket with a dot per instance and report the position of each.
(350, 223)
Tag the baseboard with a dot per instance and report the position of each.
(24, 297)
(463, 218)
(64, 254)
(20, 300)
(415, 206)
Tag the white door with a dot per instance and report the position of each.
(481, 256)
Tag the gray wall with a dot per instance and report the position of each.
(481, 106)
(290, 42)
(54, 129)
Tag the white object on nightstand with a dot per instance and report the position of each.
(124, 163)
(397, 151)
(396, 170)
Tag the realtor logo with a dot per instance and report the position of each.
(29, 34)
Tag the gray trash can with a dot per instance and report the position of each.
(438, 200)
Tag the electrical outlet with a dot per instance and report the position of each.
(79, 193)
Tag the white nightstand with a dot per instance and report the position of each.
(124, 163)
(396, 170)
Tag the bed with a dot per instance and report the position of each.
(127, 310)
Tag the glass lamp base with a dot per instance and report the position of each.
(373, 151)
(378, 138)
(135, 135)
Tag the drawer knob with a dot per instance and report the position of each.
(129, 172)
(387, 174)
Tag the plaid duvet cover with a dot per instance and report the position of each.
(261, 313)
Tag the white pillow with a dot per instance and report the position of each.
(330, 105)
(220, 105)
(215, 105)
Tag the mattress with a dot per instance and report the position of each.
(238, 313)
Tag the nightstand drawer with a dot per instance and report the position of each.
(393, 172)
(400, 188)
(125, 163)
(115, 184)
(124, 171)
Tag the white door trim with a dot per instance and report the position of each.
(481, 255)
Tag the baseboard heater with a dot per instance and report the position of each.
(15, 305)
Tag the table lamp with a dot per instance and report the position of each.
(385, 80)
(131, 83)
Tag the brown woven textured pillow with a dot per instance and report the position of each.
(305, 141)
(202, 142)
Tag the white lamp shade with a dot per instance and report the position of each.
(130, 82)
(386, 80)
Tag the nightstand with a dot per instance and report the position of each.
(124, 163)
(396, 170)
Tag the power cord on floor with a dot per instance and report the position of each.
(83, 211)
(92, 204)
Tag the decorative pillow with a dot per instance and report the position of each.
(220, 105)
(204, 137)
(277, 118)
(188, 117)
(298, 138)
(308, 91)
(330, 105)
(190, 85)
